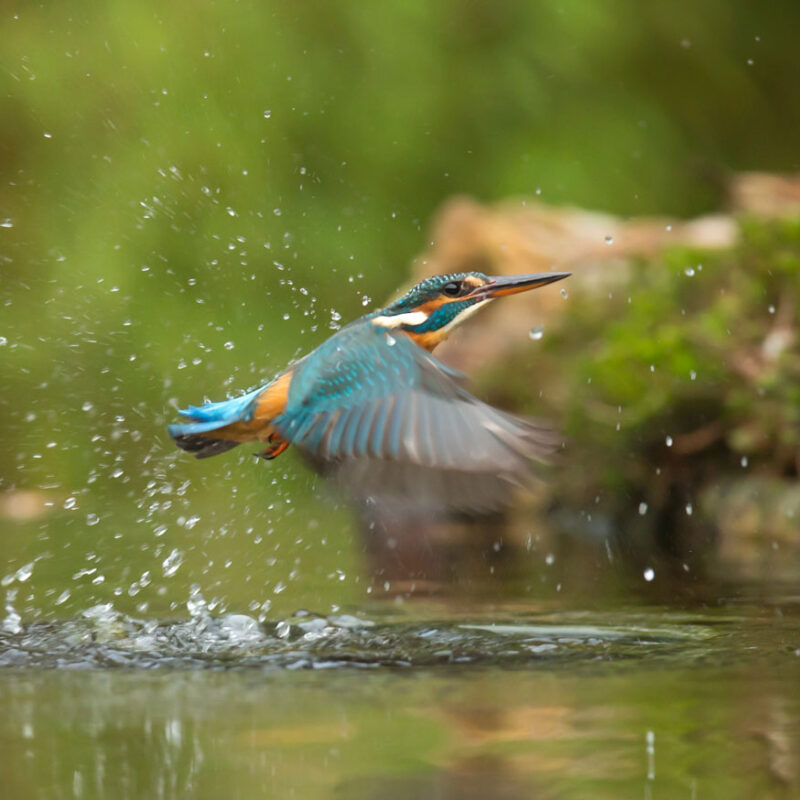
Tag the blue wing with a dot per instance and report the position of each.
(390, 419)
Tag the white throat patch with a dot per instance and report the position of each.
(396, 320)
(418, 317)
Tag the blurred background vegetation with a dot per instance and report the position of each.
(191, 194)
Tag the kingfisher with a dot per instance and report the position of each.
(372, 406)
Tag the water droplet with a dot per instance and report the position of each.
(692, 375)
(649, 574)
(689, 271)
(390, 340)
(689, 510)
(196, 604)
(668, 441)
(365, 300)
(62, 598)
(229, 345)
(172, 563)
(48, 135)
(564, 293)
(668, 228)
(771, 309)
(609, 240)
(277, 212)
(642, 508)
(87, 406)
(537, 332)
(744, 462)
(265, 607)
(13, 621)
(92, 519)
(70, 503)
(652, 368)
(6, 223)
(549, 559)
(267, 113)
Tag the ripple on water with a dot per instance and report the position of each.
(102, 637)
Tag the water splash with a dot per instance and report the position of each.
(101, 637)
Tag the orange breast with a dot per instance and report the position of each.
(274, 398)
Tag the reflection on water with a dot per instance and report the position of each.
(699, 708)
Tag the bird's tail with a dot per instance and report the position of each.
(215, 427)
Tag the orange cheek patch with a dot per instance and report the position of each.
(432, 305)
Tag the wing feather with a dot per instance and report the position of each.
(356, 421)
(385, 410)
(338, 425)
(395, 421)
(410, 429)
(392, 422)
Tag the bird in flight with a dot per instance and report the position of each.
(374, 408)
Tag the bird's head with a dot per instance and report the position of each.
(429, 311)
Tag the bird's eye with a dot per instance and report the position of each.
(452, 289)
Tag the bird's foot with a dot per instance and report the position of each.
(276, 446)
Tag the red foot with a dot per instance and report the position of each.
(276, 447)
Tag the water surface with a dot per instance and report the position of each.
(416, 702)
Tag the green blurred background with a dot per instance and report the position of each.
(194, 193)
(191, 194)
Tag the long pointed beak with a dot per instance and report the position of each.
(503, 285)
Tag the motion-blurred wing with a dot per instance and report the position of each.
(394, 424)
